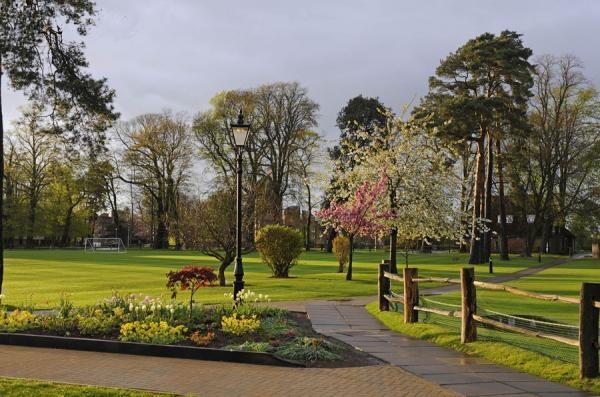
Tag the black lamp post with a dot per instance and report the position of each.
(240, 135)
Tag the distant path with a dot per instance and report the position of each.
(503, 278)
(300, 306)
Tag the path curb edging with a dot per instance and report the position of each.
(145, 349)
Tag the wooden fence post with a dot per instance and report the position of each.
(411, 295)
(588, 330)
(383, 286)
(468, 328)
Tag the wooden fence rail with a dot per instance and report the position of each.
(589, 313)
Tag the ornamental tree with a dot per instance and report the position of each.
(361, 215)
(421, 185)
(190, 278)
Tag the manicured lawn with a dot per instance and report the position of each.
(41, 276)
(491, 349)
(26, 388)
(563, 280)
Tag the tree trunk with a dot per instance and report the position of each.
(222, 267)
(349, 274)
(31, 224)
(162, 234)
(67, 228)
(502, 205)
(1, 184)
(331, 234)
(487, 214)
(393, 236)
(308, 220)
(475, 252)
(596, 248)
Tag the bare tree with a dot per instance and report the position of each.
(160, 148)
(38, 151)
(284, 112)
(551, 167)
(303, 166)
(210, 227)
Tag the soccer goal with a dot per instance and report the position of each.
(104, 244)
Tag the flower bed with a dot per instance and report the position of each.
(245, 330)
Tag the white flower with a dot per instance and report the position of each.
(131, 307)
(144, 308)
(172, 310)
(153, 307)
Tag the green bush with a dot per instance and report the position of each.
(279, 247)
(341, 249)
(309, 349)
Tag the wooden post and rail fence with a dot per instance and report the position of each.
(589, 313)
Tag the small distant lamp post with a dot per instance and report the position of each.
(240, 136)
(531, 220)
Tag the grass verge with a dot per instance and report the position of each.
(496, 352)
(11, 387)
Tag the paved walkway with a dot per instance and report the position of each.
(210, 378)
(349, 322)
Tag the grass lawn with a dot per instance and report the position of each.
(10, 387)
(39, 277)
(562, 280)
(493, 350)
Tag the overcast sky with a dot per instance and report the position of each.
(177, 54)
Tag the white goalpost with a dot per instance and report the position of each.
(104, 244)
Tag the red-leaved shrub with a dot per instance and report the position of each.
(190, 278)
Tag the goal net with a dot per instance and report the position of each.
(104, 244)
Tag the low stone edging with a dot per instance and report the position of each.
(144, 349)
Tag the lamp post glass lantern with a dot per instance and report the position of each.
(240, 136)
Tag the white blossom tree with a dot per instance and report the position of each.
(422, 186)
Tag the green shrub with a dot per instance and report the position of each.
(279, 247)
(152, 332)
(341, 249)
(18, 320)
(309, 349)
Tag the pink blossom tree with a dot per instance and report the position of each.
(361, 215)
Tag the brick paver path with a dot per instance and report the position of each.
(350, 322)
(210, 378)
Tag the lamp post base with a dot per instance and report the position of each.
(237, 287)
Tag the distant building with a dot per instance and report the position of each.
(560, 241)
